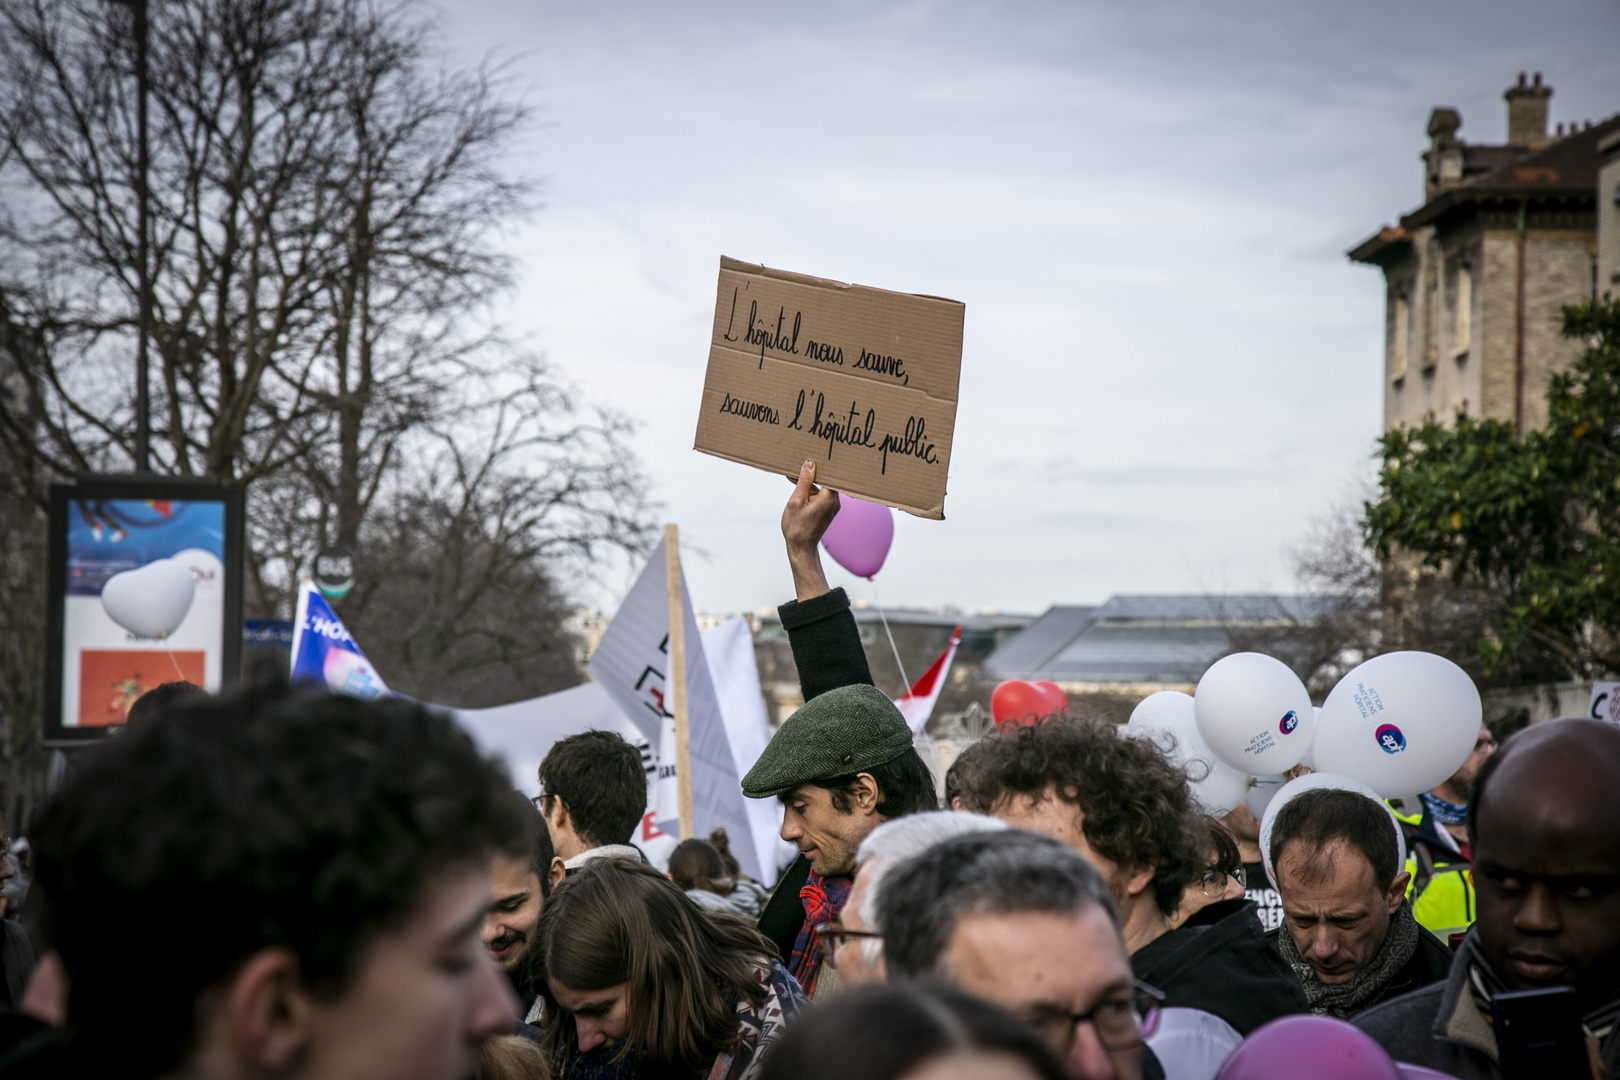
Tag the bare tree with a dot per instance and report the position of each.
(327, 204)
(1336, 621)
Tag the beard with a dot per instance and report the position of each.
(525, 972)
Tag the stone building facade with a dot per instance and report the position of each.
(1609, 213)
(1476, 277)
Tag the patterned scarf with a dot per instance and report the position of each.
(1344, 1000)
(599, 1064)
(1444, 813)
(823, 899)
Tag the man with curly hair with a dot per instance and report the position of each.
(1125, 807)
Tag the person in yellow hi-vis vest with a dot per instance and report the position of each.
(1438, 855)
(1445, 908)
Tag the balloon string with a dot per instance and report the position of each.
(175, 662)
(905, 689)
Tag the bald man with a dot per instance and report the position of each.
(1547, 872)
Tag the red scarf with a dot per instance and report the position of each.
(823, 899)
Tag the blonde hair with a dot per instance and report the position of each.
(512, 1057)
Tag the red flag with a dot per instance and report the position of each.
(918, 705)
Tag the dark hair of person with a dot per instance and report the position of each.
(1322, 816)
(905, 786)
(275, 820)
(1220, 848)
(888, 1031)
(1136, 808)
(160, 699)
(1476, 796)
(696, 864)
(722, 844)
(617, 921)
(959, 778)
(600, 778)
(1003, 872)
(541, 851)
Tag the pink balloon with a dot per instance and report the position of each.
(860, 535)
(1315, 1046)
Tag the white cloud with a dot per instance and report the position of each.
(1143, 205)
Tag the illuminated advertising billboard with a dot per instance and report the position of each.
(146, 588)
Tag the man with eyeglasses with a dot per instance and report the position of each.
(852, 943)
(1022, 921)
(1125, 807)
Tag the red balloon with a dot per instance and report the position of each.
(1021, 703)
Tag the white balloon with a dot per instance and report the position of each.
(1309, 760)
(1260, 795)
(151, 600)
(1167, 718)
(1322, 780)
(1254, 713)
(1402, 722)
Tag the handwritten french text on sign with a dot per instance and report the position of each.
(861, 380)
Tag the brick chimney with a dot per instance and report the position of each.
(1443, 162)
(1527, 113)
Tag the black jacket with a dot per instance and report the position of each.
(1220, 961)
(1430, 963)
(828, 653)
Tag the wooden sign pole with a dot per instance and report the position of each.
(677, 677)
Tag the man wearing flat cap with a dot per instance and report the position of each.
(842, 764)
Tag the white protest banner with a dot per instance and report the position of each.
(630, 664)
(1605, 703)
(729, 649)
(864, 381)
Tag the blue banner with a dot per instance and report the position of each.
(324, 652)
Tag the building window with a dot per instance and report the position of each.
(1397, 352)
(1465, 312)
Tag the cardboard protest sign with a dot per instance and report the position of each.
(861, 380)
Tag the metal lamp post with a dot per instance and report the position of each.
(143, 400)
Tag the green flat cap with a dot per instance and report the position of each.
(848, 730)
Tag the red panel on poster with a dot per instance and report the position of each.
(111, 679)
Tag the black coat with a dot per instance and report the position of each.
(1430, 963)
(1220, 961)
(828, 653)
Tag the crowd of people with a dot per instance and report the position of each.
(279, 883)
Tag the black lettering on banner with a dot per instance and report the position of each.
(914, 443)
(749, 410)
(892, 366)
(766, 338)
(825, 352)
(798, 411)
(847, 429)
(733, 319)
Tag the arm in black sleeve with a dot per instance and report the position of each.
(826, 643)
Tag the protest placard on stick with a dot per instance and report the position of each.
(862, 380)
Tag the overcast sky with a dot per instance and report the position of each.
(1170, 367)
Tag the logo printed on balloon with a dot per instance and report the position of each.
(1390, 738)
(1288, 723)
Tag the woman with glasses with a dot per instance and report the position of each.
(911, 1031)
(1223, 876)
(641, 982)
